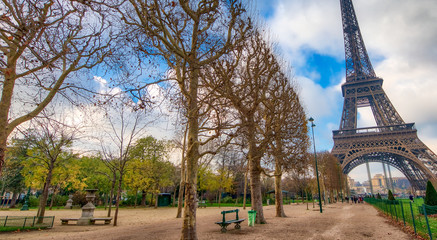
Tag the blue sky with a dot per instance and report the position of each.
(400, 37)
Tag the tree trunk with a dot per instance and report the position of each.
(245, 189)
(55, 189)
(2, 150)
(106, 200)
(143, 198)
(117, 202)
(136, 197)
(219, 197)
(174, 197)
(306, 193)
(44, 195)
(278, 193)
(255, 189)
(151, 199)
(156, 199)
(183, 176)
(51, 201)
(14, 199)
(189, 220)
(111, 195)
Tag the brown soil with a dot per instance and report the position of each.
(338, 221)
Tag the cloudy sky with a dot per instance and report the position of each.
(400, 37)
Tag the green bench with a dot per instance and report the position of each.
(202, 204)
(224, 224)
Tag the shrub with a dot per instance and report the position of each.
(79, 198)
(129, 200)
(431, 195)
(228, 199)
(33, 201)
(390, 196)
(378, 196)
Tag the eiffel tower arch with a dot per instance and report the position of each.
(392, 141)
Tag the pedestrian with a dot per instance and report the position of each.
(411, 198)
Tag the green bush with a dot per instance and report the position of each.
(33, 201)
(58, 200)
(378, 196)
(431, 195)
(129, 200)
(390, 196)
(228, 199)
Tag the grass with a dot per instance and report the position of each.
(13, 229)
(395, 212)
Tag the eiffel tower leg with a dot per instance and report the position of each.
(370, 177)
(390, 179)
(385, 177)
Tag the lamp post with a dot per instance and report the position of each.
(26, 201)
(315, 158)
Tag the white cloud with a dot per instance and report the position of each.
(303, 25)
(400, 37)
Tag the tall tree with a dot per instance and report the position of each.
(290, 140)
(50, 141)
(188, 35)
(244, 78)
(149, 165)
(125, 123)
(42, 43)
(12, 179)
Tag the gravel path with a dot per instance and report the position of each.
(338, 221)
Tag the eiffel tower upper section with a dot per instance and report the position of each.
(392, 141)
(361, 78)
(358, 65)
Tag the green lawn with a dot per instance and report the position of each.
(404, 210)
(13, 229)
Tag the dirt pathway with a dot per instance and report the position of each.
(338, 221)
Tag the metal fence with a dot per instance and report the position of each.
(22, 222)
(415, 215)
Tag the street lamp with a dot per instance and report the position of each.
(315, 158)
(26, 201)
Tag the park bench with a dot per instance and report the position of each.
(224, 224)
(66, 220)
(107, 220)
(202, 204)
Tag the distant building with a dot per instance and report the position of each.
(379, 181)
(401, 185)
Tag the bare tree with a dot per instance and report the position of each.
(188, 35)
(245, 78)
(126, 124)
(42, 42)
(290, 141)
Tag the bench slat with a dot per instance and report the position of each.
(231, 221)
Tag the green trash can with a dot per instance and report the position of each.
(252, 217)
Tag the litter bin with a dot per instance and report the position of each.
(252, 217)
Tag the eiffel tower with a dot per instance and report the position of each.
(392, 141)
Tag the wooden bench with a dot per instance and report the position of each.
(107, 220)
(66, 220)
(224, 224)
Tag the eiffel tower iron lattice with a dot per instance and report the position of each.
(392, 141)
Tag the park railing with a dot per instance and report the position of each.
(24, 222)
(414, 215)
